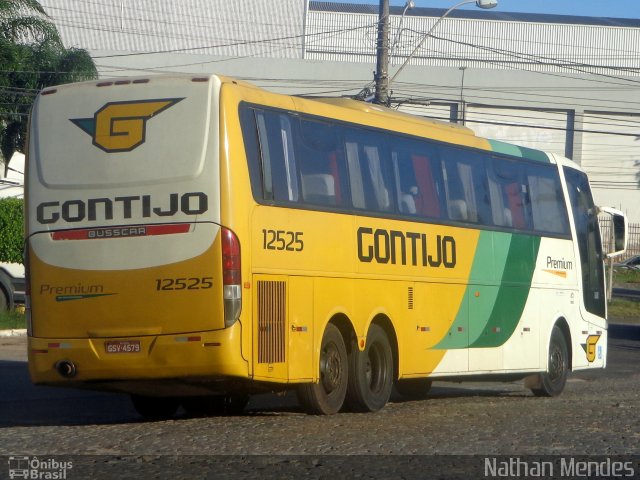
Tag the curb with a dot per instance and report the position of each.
(20, 332)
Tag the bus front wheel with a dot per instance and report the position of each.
(370, 373)
(552, 382)
(327, 396)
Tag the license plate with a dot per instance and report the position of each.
(122, 346)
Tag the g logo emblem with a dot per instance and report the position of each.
(121, 126)
(590, 347)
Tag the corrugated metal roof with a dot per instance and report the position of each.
(264, 28)
(341, 32)
(477, 14)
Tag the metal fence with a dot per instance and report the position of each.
(633, 242)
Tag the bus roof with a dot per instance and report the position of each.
(437, 127)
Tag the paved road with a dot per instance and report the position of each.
(598, 414)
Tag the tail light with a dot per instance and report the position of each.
(231, 277)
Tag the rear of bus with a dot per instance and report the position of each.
(131, 274)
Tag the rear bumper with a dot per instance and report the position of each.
(194, 355)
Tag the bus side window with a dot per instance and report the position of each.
(369, 176)
(405, 184)
(507, 193)
(548, 212)
(322, 170)
(465, 189)
(415, 184)
(279, 172)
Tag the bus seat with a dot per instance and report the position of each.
(407, 204)
(458, 210)
(319, 188)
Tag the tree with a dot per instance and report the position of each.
(32, 56)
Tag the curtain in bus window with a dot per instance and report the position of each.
(289, 158)
(516, 205)
(426, 196)
(267, 179)
(466, 177)
(355, 175)
(380, 191)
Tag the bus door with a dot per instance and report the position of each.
(587, 234)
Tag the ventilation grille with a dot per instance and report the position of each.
(271, 321)
(410, 298)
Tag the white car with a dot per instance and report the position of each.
(12, 283)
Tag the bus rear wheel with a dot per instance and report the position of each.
(4, 301)
(552, 382)
(327, 396)
(370, 373)
(155, 408)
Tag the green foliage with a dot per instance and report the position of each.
(13, 319)
(622, 309)
(32, 57)
(625, 275)
(11, 230)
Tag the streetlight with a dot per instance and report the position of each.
(407, 6)
(479, 3)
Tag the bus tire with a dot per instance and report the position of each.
(552, 381)
(414, 388)
(370, 373)
(4, 300)
(155, 408)
(327, 396)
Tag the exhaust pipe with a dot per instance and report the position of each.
(66, 368)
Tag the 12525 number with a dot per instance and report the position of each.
(184, 283)
(282, 240)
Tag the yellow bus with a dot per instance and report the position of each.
(194, 239)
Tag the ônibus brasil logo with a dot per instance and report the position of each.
(121, 126)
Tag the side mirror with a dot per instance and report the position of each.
(619, 231)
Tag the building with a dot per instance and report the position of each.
(565, 84)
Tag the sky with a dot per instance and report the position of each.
(589, 8)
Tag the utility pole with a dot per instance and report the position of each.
(382, 58)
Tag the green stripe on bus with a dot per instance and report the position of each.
(482, 295)
(498, 289)
(474, 312)
(518, 151)
(513, 292)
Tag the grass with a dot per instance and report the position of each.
(626, 276)
(13, 319)
(627, 309)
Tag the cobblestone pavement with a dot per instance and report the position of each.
(598, 414)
